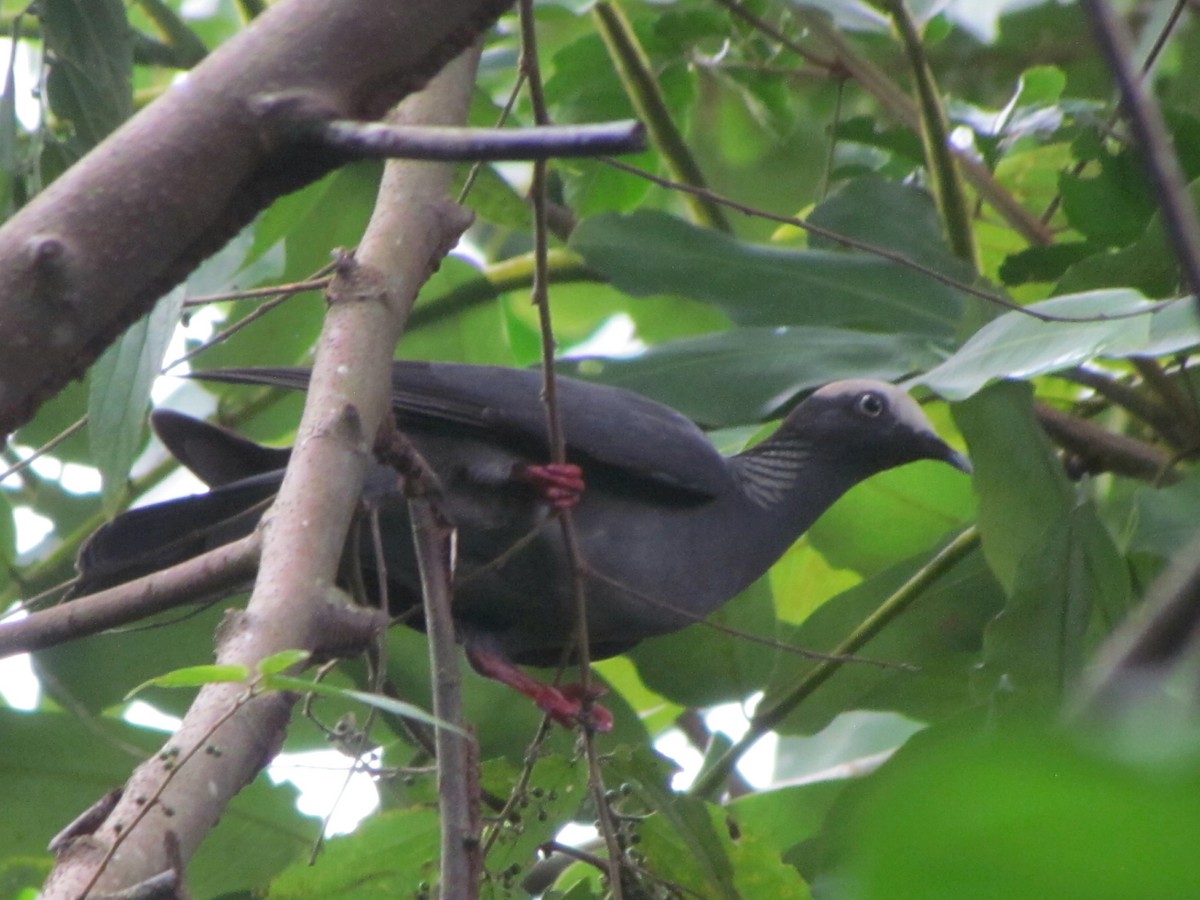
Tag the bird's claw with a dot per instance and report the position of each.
(559, 484)
(568, 705)
(573, 704)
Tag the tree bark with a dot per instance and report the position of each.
(90, 254)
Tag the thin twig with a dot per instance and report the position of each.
(313, 284)
(201, 577)
(1145, 118)
(541, 299)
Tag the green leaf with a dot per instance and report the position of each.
(91, 75)
(193, 676)
(941, 634)
(1149, 264)
(924, 500)
(282, 661)
(683, 843)
(379, 701)
(887, 214)
(557, 787)
(120, 392)
(392, 855)
(1016, 345)
(701, 666)
(1071, 588)
(1019, 480)
(654, 253)
(750, 374)
(1110, 208)
(1164, 519)
(1017, 815)
(97, 672)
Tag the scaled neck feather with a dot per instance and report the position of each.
(767, 472)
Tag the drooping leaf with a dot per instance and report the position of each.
(120, 393)
(91, 78)
(749, 374)
(1016, 345)
(1019, 482)
(654, 253)
(1070, 587)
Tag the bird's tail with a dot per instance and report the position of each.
(246, 476)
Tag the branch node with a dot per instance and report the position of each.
(293, 115)
(86, 822)
(354, 282)
(344, 628)
(50, 262)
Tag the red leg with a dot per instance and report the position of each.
(559, 484)
(564, 705)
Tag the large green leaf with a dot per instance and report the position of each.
(1020, 483)
(749, 374)
(654, 253)
(888, 214)
(1071, 587)
(1019, 815)
(120, 393)
(90, 82)
(1017, 345)
(701, 666)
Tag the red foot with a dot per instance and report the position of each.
(567, 705)
(559, 484)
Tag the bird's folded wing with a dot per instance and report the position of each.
(608, 425)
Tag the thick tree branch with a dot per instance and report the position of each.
(302, 534)
(91, 253)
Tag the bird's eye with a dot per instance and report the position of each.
(870, 404)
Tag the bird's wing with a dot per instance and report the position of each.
(215, 455)
(608, 425)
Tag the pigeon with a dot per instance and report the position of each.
(669, 529)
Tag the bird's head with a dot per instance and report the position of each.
(872, 423)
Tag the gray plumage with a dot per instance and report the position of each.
(669, 528)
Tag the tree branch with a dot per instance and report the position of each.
(377, 140)
(90, 254)
(215, 573)
(303, 535)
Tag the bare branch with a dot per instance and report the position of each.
(91, 253)
(374, 140)
(212, 574)
(302, 535)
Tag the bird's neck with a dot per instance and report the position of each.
(789, 478)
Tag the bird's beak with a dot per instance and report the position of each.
(933, 447)
(958, 460)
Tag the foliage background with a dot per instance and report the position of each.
(986, 793)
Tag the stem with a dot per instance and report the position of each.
(764, 720)
(935, 136)
(633, 66)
